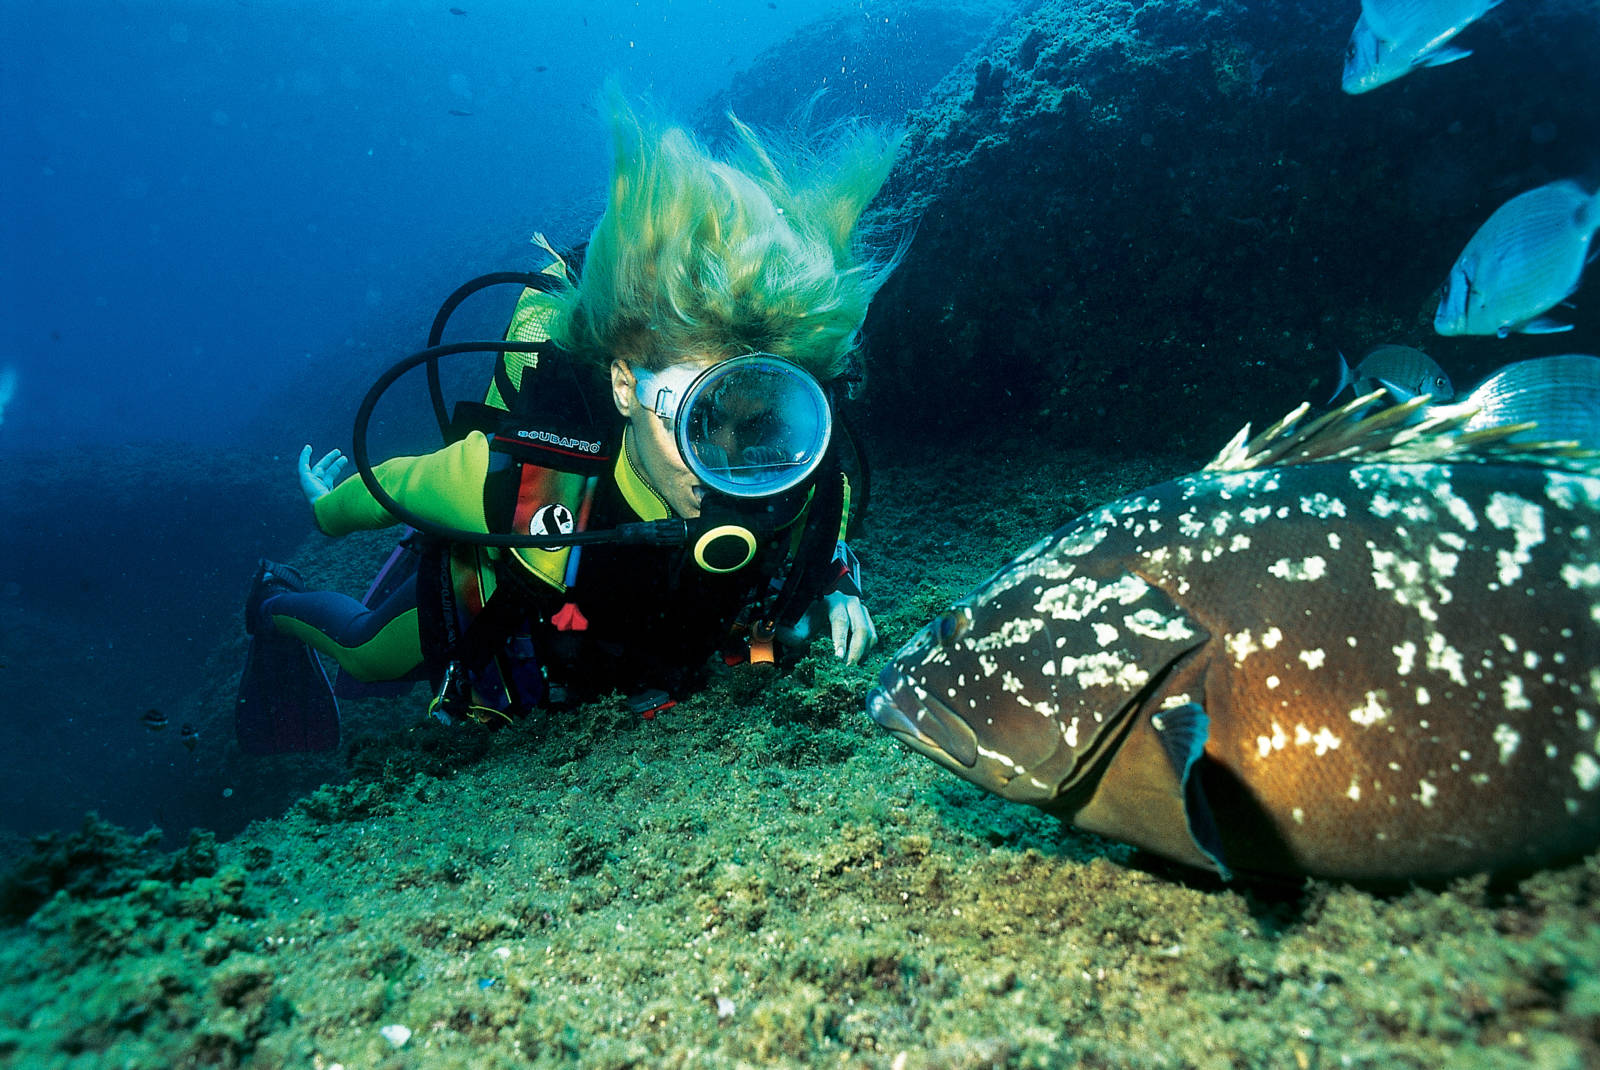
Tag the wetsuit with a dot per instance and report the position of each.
(646, 617)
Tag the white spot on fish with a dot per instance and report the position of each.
(1311, 568)
(1407, 653)
(1587, 770)
(1507, 739)
(1152, 625)
(1333, 540)
(1423, 698)
(1525, 521)
(1512, 695)
(1082, 596)
(1568, 491)
(1443, 656)
(1272, 682)
(1104, 634)
(1581, 577)
(1353, 792)
(1241, 645)
(1370, 713)
(1455, 505)
(1322, 506)
(1425, 793)
(1314, 659)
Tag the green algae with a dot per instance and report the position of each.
(759, 877)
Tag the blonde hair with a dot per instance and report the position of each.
(697, 256)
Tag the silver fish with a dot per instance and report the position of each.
(1392, 38)
(1560, 394)
(1527, 258)
(8, 388)
(1404, 372)
(1368, 649)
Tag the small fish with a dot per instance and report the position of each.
(1361, 650)
(1392, 38)
(457, 11)
(8, 388)
(1404, 372)
(458, 111)
(1560, 394)
(154, 720)
(541, 68)
(189, 735)
(1527, 258)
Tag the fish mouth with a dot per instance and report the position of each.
(924, 724)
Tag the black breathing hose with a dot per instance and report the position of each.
(673, 532)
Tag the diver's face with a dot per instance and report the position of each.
(655, 450)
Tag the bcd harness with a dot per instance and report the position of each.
(549, 451)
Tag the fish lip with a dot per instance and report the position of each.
(931, 727)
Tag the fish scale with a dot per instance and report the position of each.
(1360, 665)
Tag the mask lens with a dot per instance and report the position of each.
(753, 426)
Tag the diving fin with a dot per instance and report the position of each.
(285, 703)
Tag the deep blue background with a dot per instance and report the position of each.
(211, 202)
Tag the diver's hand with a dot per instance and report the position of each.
(318, 479)
(853, 630)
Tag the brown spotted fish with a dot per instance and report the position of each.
(1357, 649)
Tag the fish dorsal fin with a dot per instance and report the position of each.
(1412, 432)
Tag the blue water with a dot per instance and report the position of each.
(209, 202)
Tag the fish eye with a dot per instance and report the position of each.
(950, 625)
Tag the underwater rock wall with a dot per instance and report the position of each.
(875, 61)
(1144, 223)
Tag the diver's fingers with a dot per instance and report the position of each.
(333, 457)
(330, 466)
(314, 481)
(864, 636)
(853, 631)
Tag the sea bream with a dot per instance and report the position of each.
(1392, 38)
(1401, 370)
(1364, 649)
(1527, 258)
(1557, 398)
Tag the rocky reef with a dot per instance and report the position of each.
(1141, 222)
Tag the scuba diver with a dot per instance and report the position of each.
(655, 475)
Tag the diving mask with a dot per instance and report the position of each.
(749, 426)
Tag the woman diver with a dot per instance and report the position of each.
(701, 509)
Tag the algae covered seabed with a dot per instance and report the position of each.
(759, 877)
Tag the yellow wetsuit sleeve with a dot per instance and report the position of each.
(445, 486)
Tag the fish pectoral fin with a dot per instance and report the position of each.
(1183, 731)
(1544, 325)
(1447, 54)
(1148, 796)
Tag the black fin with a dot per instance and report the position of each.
(1182, 731)
(285, 703)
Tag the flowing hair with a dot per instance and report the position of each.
(762, 251)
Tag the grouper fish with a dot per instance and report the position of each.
(1364, 648)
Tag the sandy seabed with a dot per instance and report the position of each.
(758, 877)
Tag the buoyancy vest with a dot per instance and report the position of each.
(604, 615)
